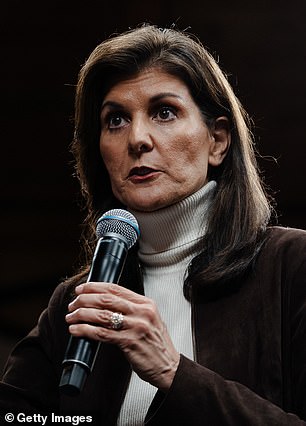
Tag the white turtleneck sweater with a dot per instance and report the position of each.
(169, 240)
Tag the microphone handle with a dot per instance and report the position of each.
(107, 265)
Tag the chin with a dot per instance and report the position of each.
(151, 205)
(145, 205)
(145, 208)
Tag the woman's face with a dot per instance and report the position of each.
(154, 142)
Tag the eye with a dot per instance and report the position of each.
(166, 113)
(114, 120)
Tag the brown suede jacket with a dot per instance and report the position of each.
(250, 346)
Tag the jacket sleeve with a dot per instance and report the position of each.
(199, 396)
(31, 375)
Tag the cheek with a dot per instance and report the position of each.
(109, 159)
(191, 152)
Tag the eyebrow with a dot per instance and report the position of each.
(160, 96)
(111, 104)
(153, 99)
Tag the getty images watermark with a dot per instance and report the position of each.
(46, 419)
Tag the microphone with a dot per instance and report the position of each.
(117, 231)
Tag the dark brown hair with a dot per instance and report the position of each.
(240, 211)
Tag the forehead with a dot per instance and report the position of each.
(148, 82)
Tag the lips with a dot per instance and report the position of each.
(141, 171)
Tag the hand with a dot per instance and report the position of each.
(143, 337)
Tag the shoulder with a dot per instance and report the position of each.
(284, 251)
(288, 239)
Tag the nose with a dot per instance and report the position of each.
(140, 138)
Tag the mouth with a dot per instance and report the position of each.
(141, 171)
(142, 174)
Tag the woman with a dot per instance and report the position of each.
(211, 305)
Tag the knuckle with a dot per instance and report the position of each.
(114, 289)
(102, 316)
(105, 300)
(128, 343)
(99, 333)
(142, 328)
(77, 315)
(150, 311)
(80, 300)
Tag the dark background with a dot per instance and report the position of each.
(261, 45)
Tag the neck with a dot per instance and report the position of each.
(179, 225)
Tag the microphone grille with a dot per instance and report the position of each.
(120, 222)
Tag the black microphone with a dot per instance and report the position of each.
(117, 231)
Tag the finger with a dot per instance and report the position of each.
(130, 338)
(90, 315)
(109, 288)
(140, 325)
(93, 332)
(91, 300)
(103, 302)
(126, 337)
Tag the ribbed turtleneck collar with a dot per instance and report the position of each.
(175, 228)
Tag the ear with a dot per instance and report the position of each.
(221, 140)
